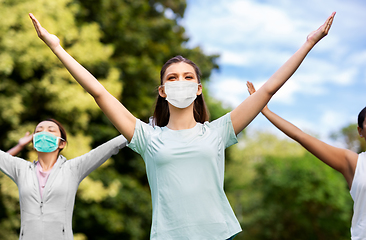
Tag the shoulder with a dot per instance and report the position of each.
(63, 161)
(220, 122)
(357, 159)
(362, 155)
(147, 128)
(13, 160)
(354, 161)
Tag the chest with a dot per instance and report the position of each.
(56, 188)
(185, 153)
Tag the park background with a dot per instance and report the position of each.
(276, 188)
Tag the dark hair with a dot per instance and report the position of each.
(60, 127)
(361, 117)
(161, 113)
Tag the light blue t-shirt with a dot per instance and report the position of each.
(185, 169)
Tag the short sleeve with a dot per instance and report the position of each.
(141, 137)
(10, 165)
(225, 129)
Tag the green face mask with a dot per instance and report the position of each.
(45, 142)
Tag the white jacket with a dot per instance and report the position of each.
(50, 218)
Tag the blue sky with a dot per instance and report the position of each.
(254, 38)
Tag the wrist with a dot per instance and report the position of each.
(20, 145)
(265, 110)
(309, 44)
(56, 48)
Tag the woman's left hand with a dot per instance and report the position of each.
(51, 40)
(322, 31)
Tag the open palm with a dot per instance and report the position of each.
(251, 90)
(26, 139)
(322, 31)
(51, 40)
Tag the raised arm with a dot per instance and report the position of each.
(121, 118)
(21, 144)
(251, 106)
(342, 160)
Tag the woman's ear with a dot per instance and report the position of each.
(162, 91)
(360, 132)
(199, 91)
(61, 144)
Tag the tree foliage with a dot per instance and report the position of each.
(292, 194)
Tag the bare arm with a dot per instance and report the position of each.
(21, 144)
(342, 160)
(250, 107)
(121, 118)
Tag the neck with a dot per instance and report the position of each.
(181, 118)
(47, 160)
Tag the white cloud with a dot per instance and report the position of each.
(258, 57)
(259, 36)
(331, 121)
(231, 91)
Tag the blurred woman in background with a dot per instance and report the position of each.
(47, 187)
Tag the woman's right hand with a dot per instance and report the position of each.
(26, 139)
(251, 90)
(51, 40)
(322, 31)
(22, 142)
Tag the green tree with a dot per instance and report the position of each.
(35, 86)
(280, 191)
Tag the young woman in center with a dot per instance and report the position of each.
(183, 152)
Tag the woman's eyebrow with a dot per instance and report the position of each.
(174, 73)
(188, 73)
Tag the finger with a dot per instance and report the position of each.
(250, 85)
(329, 22)
(251, 88)
(36, 24)
(36, 27)
(331, 19)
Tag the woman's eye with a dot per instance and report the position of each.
(171, 78)
(189, 77)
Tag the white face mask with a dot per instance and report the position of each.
(181, 94)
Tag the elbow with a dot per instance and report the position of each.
(268, 90)
(299, 137)
(98, 93)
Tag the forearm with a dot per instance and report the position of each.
(81, 75)
(121, 118)
(286, 70)
(286, 127)
(249, 108)
(342, 160)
